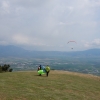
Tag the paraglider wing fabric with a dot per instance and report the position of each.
(41, 72)
(71, 41)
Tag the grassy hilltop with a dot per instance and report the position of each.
(60, 85)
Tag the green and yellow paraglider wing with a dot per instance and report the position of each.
(41, 72)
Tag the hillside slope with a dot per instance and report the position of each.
(60, 85)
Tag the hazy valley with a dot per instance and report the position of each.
(80, 61)
(74, 64)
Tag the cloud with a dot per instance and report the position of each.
(49, 24)
(5, 7)
(93, 44)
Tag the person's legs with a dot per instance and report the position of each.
(39, 74)
(47, 73)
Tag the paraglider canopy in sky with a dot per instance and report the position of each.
(71, 41)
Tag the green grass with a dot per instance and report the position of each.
(59, 85)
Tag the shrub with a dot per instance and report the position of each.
(5, 68)
(0, 69)
(10, 70)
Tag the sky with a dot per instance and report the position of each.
(48, 25)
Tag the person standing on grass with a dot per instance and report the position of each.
(47, 68)
(39, 68)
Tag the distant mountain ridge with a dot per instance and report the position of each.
(13, 51)
(6, 51)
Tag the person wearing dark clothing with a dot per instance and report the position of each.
(39, 68)
(47, 73)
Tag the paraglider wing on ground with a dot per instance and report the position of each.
(41, 72)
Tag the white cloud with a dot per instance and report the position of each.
(3, 43)
(96, 42)
(93, 44)
(26, 40)
(50, 24)
(5, 7)
(20, 39)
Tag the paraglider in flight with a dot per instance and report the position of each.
(71, 43)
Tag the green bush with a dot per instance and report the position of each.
(0, 69)
(10, 70)
(5, 68)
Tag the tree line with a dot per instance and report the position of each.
(5, 68)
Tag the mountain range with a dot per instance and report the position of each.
(14, 51)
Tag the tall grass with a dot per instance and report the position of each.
(59, 85)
